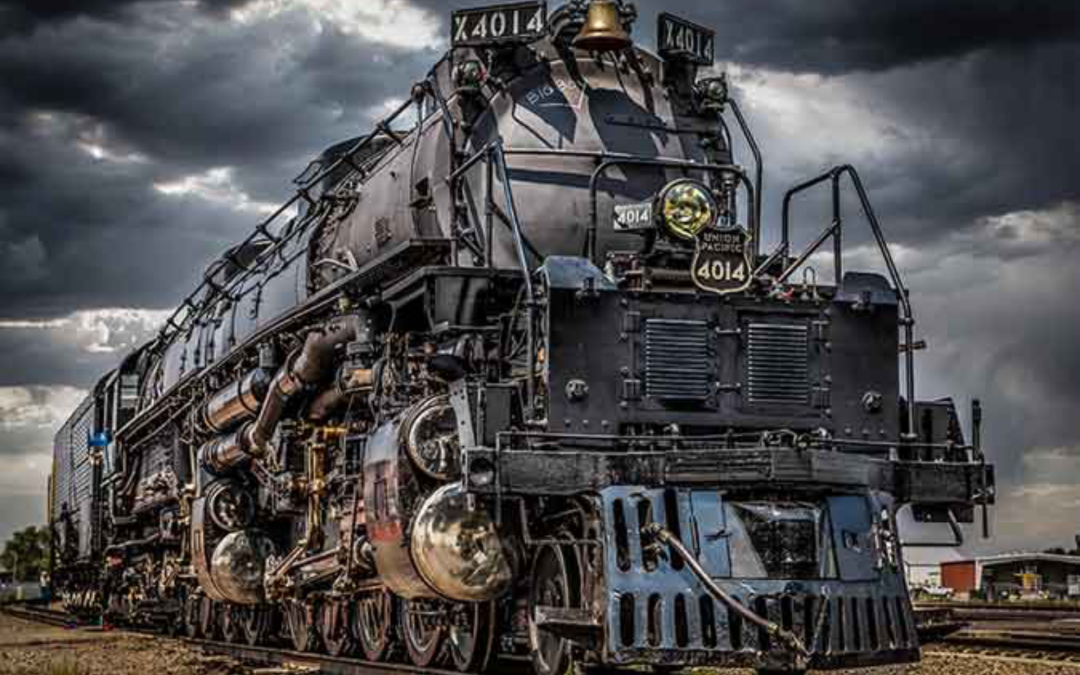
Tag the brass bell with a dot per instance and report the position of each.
(603, 30)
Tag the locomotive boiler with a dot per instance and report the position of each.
(518, 378)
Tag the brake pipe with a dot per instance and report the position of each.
(784, 637)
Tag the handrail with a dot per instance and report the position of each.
(192, 306)
(759, 171)
(498, 157)
(835, 231)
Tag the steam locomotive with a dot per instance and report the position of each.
(519, 380)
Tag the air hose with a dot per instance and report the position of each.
(784, 637)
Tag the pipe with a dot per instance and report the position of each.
(784, 637)
(309, 366)
(228, 452)
(237, 401)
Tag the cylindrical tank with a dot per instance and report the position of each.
(459, 551)
(238, 401)
(228, 452)
(239, 564)
(584, 107)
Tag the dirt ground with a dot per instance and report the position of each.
(34, 649)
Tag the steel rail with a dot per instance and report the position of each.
(262, 655)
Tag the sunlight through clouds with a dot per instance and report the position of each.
(390, 22)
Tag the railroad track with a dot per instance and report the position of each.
(313, 663)
(37, 614)
(1016, 646)
(259, 656)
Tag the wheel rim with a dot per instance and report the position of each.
(298, 618)
(334, 625)
(471, 636)
(230, 622)
(255, 624)
(373, 622)
(552, 586)
(192, 606)
(207, 624)
(423, 637)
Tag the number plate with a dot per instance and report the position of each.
(722, 261)
(520, 22)
(630, 217)
(681, 39)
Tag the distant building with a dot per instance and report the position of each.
(1025, 575)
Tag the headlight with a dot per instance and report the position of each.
(687, 208)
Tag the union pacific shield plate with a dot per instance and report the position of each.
(722, 261)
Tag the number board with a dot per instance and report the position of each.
(722, 261)
(519, 22)
(631, 217)
(681, 39)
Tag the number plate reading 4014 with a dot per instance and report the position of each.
(722, 261)
(519, 22)
(681, 39)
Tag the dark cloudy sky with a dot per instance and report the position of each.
(139, 137)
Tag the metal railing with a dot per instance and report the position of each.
(835, 232)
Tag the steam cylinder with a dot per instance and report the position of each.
(239, 564)
(238, 401)
(459, 551)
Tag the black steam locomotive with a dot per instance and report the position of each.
(519, 381)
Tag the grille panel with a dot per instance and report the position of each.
(778, 364)
(677, 364)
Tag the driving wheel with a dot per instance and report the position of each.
(555, 583)
(334, 627)
(373, 625)
(231, 617)
(256, 623)
(471, 636)
(301, 628)
(192, 616)
(208, 611)
(421, 626)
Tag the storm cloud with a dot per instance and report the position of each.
(138, 138)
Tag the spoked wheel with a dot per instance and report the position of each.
(555, 583)
(192, 616)
(208, 611)
(334, 624)
(373, 625)
(256, 623)
(423, 632)
(471, 636)
(230, 622)
(301, 628)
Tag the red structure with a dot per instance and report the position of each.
(959, 575)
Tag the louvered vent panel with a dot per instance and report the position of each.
(677, 360)
(779, 364)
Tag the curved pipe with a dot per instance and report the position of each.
(311, 365)
(238, 401)
(784, 637)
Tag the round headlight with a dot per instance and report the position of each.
(687, 208)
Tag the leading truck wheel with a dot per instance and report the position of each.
(555, 583)
(192, 627)
(334, 621)
(373, 625)
(256, 624)
(208, 611)
(299, 622)
(230, 621)
(471, 636)
(421, 626)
